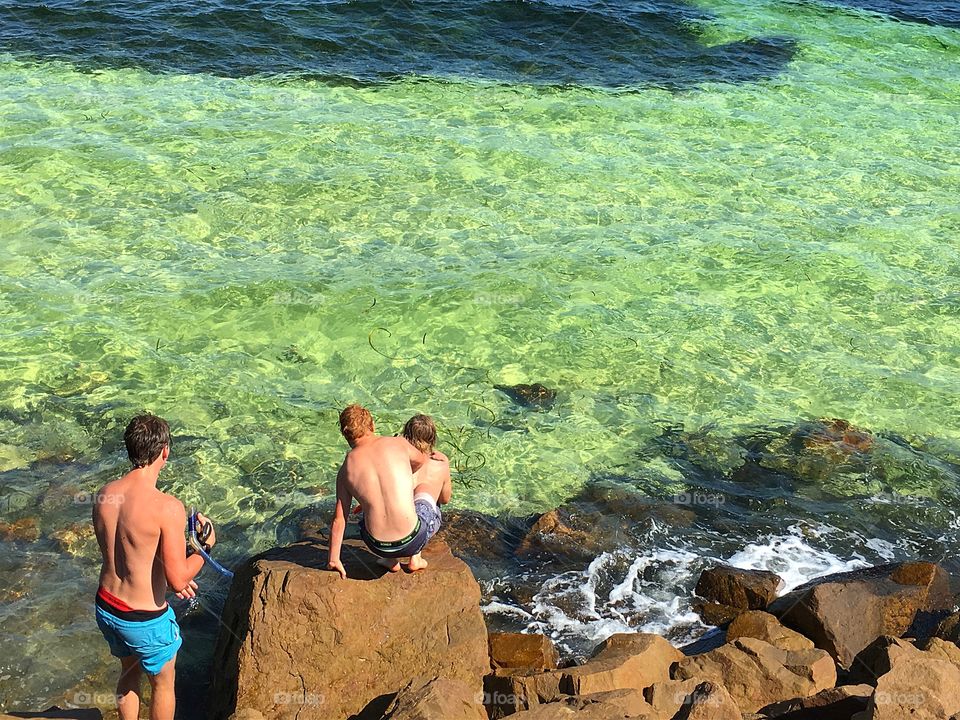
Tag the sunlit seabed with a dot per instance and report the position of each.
(246, 256)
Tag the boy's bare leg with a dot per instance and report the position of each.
(417, 563)
(128, 689)
(163, 702)
(389, 563)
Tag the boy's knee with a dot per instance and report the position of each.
(166, 675)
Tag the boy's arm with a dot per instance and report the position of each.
(178, 569)
(339, 523)
(447, 491)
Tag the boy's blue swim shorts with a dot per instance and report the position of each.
(154, 641)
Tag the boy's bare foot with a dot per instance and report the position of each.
(417, 563)
(389, 564)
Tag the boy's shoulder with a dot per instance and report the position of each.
(169, 501)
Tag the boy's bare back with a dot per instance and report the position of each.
(433, 477)
(129, 518)
(378, 474)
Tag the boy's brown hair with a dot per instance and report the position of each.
(146, 436)
(355, 422)
(421, 433)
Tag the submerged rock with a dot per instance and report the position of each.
(813, 450)
(552, 535)
(78, 539)
(22, 530)
(535, 396)
(296, 639)
(573, 534)
(844, 613)
(620, 499)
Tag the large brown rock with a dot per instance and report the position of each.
(837, 703)
(622, 661)
(508, 690)
(667, 698)
(878, 658)
(844, 613)
(764, 626)
(439, 699)
(625, 661)
(615, 705)
(709, 701)
(735, 587)
(756, 673)
(940, 649)
(522, 650)
(296, 640)
(919, 688)
(949, 628)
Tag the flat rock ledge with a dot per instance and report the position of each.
(299, 642)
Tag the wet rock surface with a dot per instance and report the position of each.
(739, 588)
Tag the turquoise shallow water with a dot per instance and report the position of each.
(245, 255)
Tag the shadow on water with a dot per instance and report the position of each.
(924, 12)
(610, 45)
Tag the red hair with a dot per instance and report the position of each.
(355, 422)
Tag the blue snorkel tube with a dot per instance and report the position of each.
(197, 545)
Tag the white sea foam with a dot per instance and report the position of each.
(794, 558)
(884, 549)
(651, 590)
(496, 606)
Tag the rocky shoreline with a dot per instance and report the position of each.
(763, 638)
(296, 642)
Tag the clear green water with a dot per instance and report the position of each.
(246, 256)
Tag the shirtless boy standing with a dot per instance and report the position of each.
(378, 471)
(141, 535)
